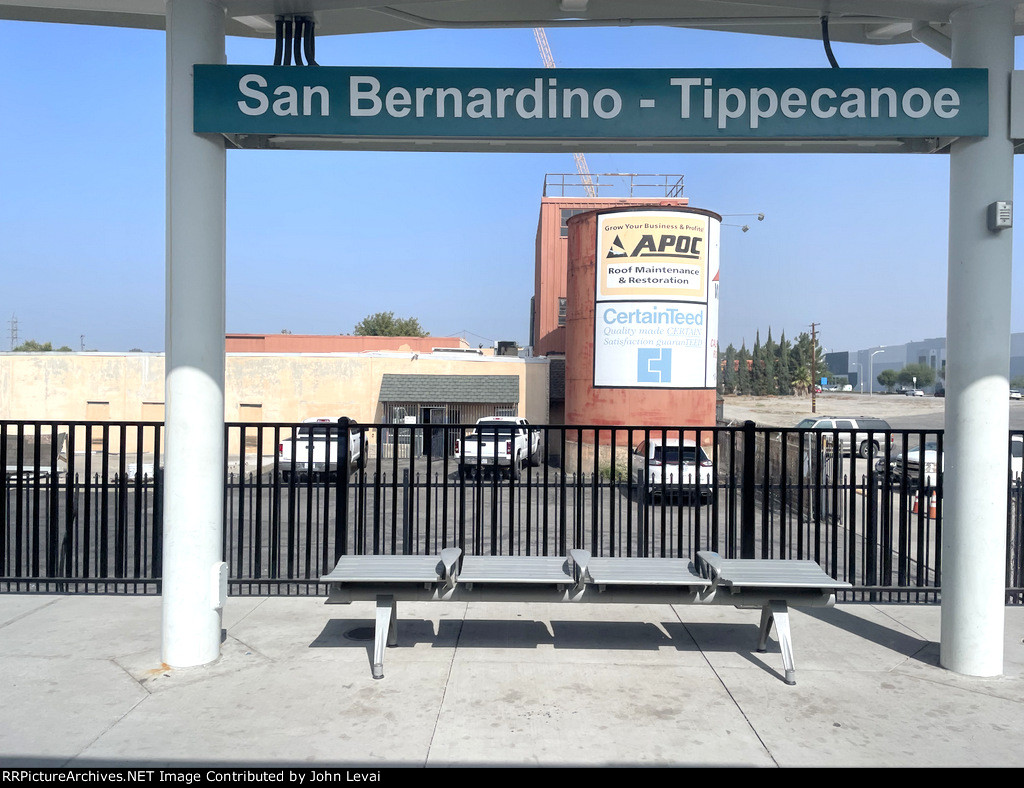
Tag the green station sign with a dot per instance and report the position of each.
(591, 104)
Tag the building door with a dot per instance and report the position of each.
(432, 436)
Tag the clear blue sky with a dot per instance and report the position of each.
(855, 243)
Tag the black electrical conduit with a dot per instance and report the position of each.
(288, 24)
(310, 43)
(300, 23)
(294, 36)
(827, 43)
(278, 41)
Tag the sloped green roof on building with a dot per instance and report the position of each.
(449, 388)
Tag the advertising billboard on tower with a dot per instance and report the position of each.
(656, 299)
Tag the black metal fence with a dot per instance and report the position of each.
(82, 503)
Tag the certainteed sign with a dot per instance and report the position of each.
(591, 104)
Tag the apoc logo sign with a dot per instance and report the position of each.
(654, 365)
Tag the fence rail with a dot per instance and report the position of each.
(82, 503)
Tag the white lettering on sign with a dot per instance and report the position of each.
(654, 316)
(544, 99)
(252, 87)
(732, 109)
(757, 104)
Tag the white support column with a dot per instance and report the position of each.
(977, 361)
(194, 456)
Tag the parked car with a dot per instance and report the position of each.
(914, 393)
(665, 459)
(927, 459)
(1014, 394)
(867, 434)
(933, 463)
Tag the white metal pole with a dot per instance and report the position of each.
(978, 359)
(193, 575)
(871, 372)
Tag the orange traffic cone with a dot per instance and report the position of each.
(931, 506)
(914, 509)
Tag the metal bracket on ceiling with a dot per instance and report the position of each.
(295, 38)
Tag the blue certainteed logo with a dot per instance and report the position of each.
(654, 365)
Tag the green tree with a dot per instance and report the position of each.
(923, 374)
(888, 378)
(31, 346)
(757, 380)
(743, 370)
(771, 363)
(800, 368)
(729, 373)
(784, 370)
(385, 324)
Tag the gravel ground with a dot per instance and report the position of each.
(787, 411)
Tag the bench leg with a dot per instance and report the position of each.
(778, 612)
(385, 633)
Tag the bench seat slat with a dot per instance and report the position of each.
(514, 569)
(385, 569)
(644, 571)
(741, 573)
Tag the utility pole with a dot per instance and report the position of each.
(14, 331)
(814, 367)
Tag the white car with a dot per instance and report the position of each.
(1014, 394)
(911, 465)
(914, 393)
(934, 462)
(661, 458)
(866, 435)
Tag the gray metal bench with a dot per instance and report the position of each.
(772, 585)
(387, 577)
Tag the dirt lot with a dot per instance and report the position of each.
(787, 411)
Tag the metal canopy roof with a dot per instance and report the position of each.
(853, 21)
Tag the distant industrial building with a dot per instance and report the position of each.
(862, 367)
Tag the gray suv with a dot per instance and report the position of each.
(865, 434)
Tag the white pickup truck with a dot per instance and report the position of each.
(314, 448)
(505, 443)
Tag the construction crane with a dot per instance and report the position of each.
(549, 62)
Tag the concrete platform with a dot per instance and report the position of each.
(494, 685)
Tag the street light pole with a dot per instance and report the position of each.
(871, 371)
(814, 354)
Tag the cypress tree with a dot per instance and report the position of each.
(743, 373)
(771, 381)
(784, 371)
(729, 373)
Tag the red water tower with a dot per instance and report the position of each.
(642, 317)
